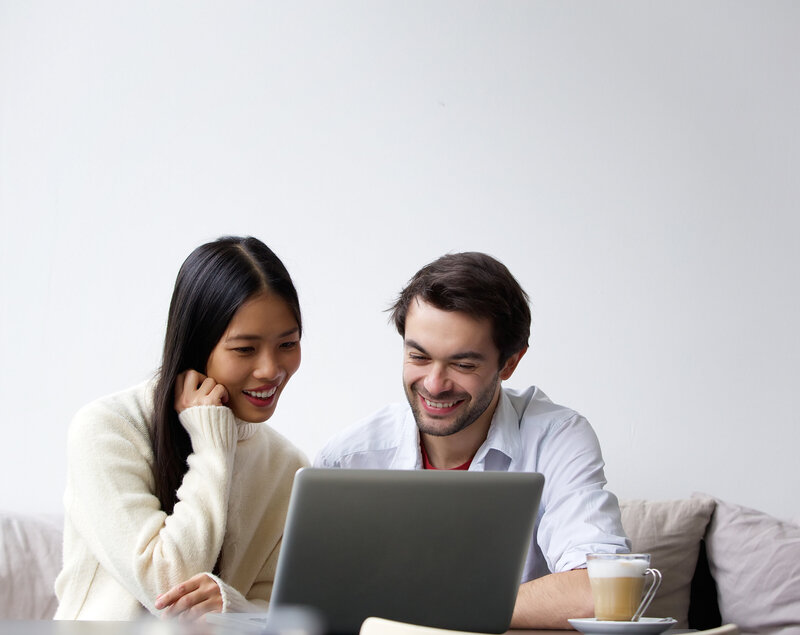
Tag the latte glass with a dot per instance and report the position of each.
(618, 582)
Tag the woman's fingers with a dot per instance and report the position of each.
(192, 599)
(169, 599)
(195, 389)
(219, 394)
(186, 385)
(198, 611)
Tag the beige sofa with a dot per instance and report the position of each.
(750, 575)
(721, 563)
(30, 559)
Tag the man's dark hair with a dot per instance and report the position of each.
(478, 285)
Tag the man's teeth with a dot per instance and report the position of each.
(261, 394)
(440, 404)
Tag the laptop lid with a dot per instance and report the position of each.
(435, 548)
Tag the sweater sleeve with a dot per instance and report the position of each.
(110, 497)
(235, 602)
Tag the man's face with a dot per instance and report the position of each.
(450, 369)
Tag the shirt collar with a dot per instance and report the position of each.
(408, 455)
(503, 437)
(503, 433)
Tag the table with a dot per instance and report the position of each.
(148, 627)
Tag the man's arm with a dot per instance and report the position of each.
(549, 601)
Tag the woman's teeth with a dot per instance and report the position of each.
(261, 394)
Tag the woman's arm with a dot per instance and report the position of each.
(205, 593)
(110, 496)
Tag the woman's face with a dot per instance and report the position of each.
(256, 356)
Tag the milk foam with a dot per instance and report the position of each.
(616, 568)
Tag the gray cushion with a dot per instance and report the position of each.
(755, 560)
(30, 559)
(670, 531)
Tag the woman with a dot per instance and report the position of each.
(176, 494)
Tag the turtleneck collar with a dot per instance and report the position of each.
(245, 429)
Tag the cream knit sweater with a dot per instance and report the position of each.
(121, 550)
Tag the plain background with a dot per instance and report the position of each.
(635, 164)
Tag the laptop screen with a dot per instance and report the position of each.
(435, 548)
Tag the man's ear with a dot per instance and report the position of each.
(511, 364)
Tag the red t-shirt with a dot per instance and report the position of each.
(426, 464)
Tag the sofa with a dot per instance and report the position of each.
(721, 563)
(30, 559)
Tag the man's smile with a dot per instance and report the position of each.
(439, 406)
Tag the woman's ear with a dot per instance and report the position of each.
(511, 364)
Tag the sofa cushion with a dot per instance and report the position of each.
(755, 560)
(670, 531)
(30, 559)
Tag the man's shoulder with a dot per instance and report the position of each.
(548, 431)
(380, 433)
(532, 404)
(542, 421)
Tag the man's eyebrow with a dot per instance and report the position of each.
(458, 356)
(468, 355)
(413, 344)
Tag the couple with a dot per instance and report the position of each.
(176, 494)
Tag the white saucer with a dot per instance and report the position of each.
(645, 625)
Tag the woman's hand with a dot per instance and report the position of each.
(192, 599)
(195, 389)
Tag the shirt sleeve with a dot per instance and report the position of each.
(111, 501)
(579, 516)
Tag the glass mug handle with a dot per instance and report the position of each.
(651, 592)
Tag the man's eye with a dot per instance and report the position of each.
(465, 366)
(416, 358)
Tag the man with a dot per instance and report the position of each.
(465, 323)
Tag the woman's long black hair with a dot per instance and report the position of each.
(213, 282)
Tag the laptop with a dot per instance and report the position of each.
(434, 548)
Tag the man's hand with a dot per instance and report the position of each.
(195, 389)
(548, 602)
(192, 599)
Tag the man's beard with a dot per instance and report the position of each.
(466, 419)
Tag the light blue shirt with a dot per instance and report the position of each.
(528, 433)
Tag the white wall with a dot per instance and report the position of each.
(635, 164)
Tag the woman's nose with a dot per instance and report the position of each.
(267, 368)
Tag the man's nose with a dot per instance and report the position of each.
(437, 381)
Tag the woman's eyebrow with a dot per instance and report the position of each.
(243, 337)
(247, 336)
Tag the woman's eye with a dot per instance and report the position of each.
(244, 349)
(288, 346)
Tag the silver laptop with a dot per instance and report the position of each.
(436, 548)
